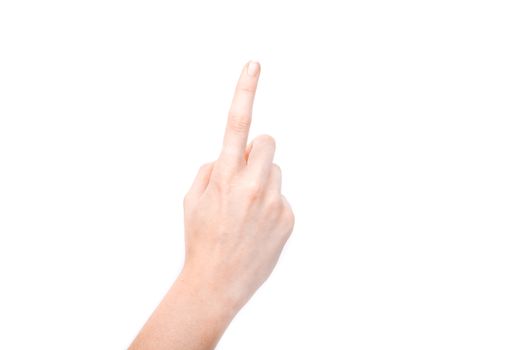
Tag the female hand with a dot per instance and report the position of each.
(236, 219)
(236, 223)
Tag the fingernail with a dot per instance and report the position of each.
(253, 67)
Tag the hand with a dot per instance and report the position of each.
(236, 219)
(236, 223)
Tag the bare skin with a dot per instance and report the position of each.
(236, 223)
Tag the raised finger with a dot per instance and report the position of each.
(240, 116)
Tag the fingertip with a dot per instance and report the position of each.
(253, 68)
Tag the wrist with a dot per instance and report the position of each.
(204, 292)
(190, 316)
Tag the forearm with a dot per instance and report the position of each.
(191, 316)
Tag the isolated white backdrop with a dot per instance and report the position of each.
(400, 132)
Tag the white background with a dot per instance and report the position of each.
(400, 132)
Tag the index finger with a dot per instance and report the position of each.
(240, 115)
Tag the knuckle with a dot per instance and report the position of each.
(266, 140)
(254, 189)
(239, 122)
(290, 217)
(221, 173)
(219, 182)
(248, 88)
(288, 225)
(274, 203)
